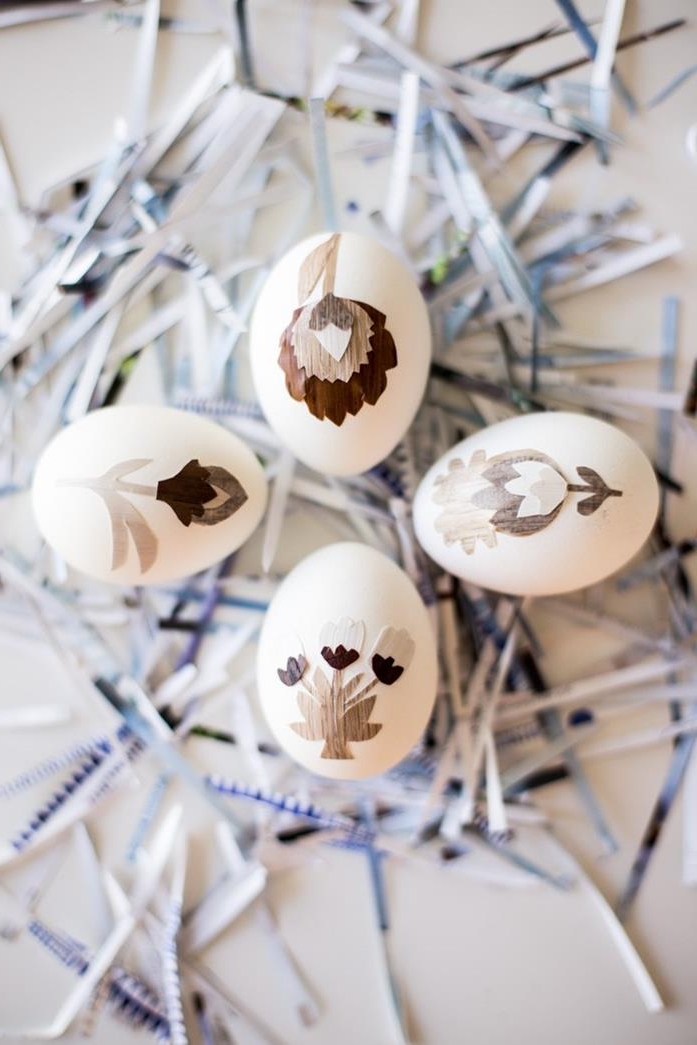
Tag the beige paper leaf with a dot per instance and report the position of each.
(313, 267)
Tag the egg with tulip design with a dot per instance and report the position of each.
(347, 667)
(145, 494)
(537, 505)
(340, 350)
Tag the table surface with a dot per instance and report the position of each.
(476, 961)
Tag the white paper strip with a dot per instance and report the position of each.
(144, 891)
(221, 906)
(689, 821)
(637, 970)
(594, 687)
(426, 71)
(325, 83)
(641, 739)
(143, 73)
(277, 508)
(400, 171)
(495, 809)
(601, 72)
(88, 379)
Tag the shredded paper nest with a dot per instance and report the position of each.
(142, 272)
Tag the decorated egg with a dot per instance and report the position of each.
(537, 505)
(347, 666)
(144, 494)
(340, 350)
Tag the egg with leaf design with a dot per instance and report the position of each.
(145, 494)
(537, 505)
(340, 349)
(347, 666)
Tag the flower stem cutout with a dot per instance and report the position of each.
(336, 351)
(336, 709)
(517, 493)
(201, 494)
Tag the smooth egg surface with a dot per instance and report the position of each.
(537, 505)
(347, 665)
(340, 348)
(145, 494)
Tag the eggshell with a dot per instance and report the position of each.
(331, 616)
(537, 505)
(340, 402)
(145, 494)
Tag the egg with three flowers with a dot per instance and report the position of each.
(340, 350)
(347, 667)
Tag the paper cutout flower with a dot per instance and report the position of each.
(192, 490)
(293, 671)
(201, 494)
(335, 710)
(341, 643)
(335, 352)
(517, 493)
(392, 654)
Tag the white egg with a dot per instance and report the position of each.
(145, 494)
(347, 665)
(537, 505)
(340, 350)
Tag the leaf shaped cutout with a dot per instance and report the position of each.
(308, 707)
(305, 730)
(591, 477)
(313, 728)
(125, 519)
(351, 686)
(590, 504)
(313, 267)
(600, 491)
(322, 685)
(119, 533)
(370, 730)
(143, 538)
(355, 724)
(236, 496)
(122, 469)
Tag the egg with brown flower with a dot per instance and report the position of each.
(144, 494)
(340, 349)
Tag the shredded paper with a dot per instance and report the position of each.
(151, 261)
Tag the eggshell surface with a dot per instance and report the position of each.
(347, 665)
(145, 494)
(537, 505)
(340, 348)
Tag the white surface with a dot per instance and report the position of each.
(477, 963)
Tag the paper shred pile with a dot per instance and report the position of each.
(151, 261)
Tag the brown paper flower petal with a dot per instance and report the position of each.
(339, 657)
(386, 671)
(187, 492)
(335, 399)
(293, 671)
